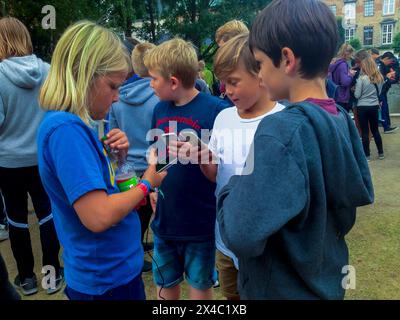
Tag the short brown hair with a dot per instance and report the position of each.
(174, 58)
(231, 54)
(229, 30)
(137, 57)
(307, 27)
(15, 40)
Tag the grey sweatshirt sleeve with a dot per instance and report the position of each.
(359, 87)
(2, 111)
(253, 207)
(113, 120)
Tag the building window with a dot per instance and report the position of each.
(333, 9)
(388, 7)
(350, 11)
(368, 36)
(369, 8)
(387, 33)
(349, 34)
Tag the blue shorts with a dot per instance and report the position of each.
(173, 259)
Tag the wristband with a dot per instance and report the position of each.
(147, 184)
(144, 188)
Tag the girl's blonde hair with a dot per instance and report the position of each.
(15, 40)
(344, 49)
(369, 68)
(84, 52)
(137, 58)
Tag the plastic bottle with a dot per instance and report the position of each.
(126, 177)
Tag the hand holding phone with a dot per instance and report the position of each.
(154, 176)
(198, 152)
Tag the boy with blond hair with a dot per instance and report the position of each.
(224, 33)
(233, 133)
(184, 241)
(229, 30)
(287, 221)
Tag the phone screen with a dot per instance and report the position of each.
(164, 159)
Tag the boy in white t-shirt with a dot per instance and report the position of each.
(233, 134)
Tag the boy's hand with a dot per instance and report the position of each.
(186, 152)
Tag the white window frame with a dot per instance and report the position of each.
(369, 13)
(333, 9)
(349, 34)
(388, 7)
(350, 11)
(387, 33)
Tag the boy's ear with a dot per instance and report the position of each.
(289, 60)
(174, 83)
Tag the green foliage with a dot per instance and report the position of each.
(355, 43)
(194, 20)
(340, 30)
(396, 43)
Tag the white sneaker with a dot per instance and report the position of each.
(3, 232)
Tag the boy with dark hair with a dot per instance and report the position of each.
(286, 222)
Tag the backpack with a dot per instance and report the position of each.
(331, 86)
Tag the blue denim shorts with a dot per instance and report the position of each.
(195, 260)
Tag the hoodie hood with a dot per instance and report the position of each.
(25, 72)
(347, 177)
(334, 65)
(136, 93)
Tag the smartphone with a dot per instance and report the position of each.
(160, 167)
(166, 161)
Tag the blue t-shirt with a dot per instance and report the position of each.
(186, 201)
(73, 162)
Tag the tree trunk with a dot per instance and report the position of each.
(150, 8)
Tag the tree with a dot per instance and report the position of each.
(339, 21)
(197, 20)
(67, 12)
(355, 43)
(396, 43)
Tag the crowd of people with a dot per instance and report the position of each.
(261, 206)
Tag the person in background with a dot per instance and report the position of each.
(389, 68)
(343, 76)
(21, 76)
(367, 93)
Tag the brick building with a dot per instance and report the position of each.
(374, 22)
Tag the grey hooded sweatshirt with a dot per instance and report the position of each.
(20, 114)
